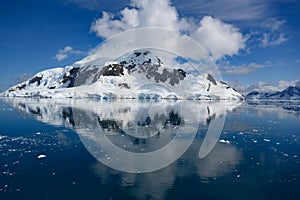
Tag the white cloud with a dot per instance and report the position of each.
(243, 69)
(65, 52)
(145, 13)
(232, 10)
(265, 40)
(247, 13)
(258, 86)
(156, 13)
(60, 56)
(273, 24)
(272, 35)
(279, 40)
(219, 38)
(270, 39)
(264, 86)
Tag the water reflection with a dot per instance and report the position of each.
(135, 136)
(257, 148)
(223, 159)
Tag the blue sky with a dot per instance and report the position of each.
(261, 38)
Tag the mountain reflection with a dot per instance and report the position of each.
(172, 149)
(143, 127)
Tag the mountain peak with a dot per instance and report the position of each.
(138, 74)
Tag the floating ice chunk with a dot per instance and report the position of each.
(41, 156)
(2, 137)
(285, 154)
(254, 141)
(255, 130)
(266, 140)
(224, 141)
(38, 133)
(16, 162)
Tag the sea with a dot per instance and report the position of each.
(148, 149)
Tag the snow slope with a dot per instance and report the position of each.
(139, 75)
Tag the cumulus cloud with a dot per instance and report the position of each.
(65, 52)
(218, 38)
(145, 13)
(243, 69)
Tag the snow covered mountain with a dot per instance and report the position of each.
(137, 75)
(290, 93)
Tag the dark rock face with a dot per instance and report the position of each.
(211, 79)
(174, 75)
(147, 67)
(137, 54)
(124, 85)
(227, 86)
(112, 70)
(20, 87)
(208, 88)
(36, 79)
(70, 77)
(183, 73)
(52, 87)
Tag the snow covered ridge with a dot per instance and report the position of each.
(290, 93)
(139, 75)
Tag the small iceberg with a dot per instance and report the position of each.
(41, 156)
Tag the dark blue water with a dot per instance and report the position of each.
(48, 150)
